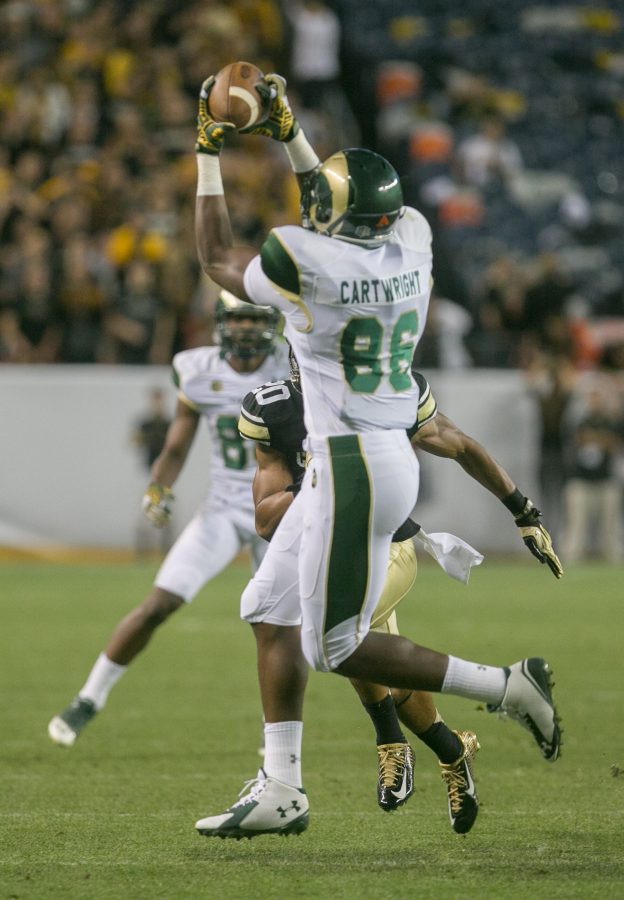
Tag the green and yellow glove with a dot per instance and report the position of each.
(156, 504)
(210, 134)
(280, 124)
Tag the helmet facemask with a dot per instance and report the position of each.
(245, 330)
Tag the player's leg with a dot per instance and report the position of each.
(205, 547)
(395, 757)
(350, 493)
(415, 709)
(522, 691)
(134, 631)
(275, 802)
(271, 605)
(455, 751)
(352, 504)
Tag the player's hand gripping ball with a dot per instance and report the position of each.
(234, 97)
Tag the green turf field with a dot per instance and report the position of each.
(113, 817)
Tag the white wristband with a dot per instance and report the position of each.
(301, 154)
(209, 182)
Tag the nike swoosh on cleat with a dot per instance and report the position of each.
(402, 794)
(470, 788)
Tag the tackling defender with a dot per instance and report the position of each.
(354, 286)
(211, 382)
(272, 415)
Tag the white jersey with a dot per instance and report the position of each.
(208, 384)
(353, 316)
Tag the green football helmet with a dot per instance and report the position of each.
(355, 196)
(244, 341)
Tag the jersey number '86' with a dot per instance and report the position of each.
(361, 346)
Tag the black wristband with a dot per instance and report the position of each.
(515, 502)
(293, 488)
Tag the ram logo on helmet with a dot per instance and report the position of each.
(355, 196)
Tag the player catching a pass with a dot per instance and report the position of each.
(353, 284)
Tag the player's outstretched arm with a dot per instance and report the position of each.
(273, 490)
(441, 437)
(158, 498)
(219, 258)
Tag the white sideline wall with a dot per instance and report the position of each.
(70, 475)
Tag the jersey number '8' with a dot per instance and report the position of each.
(233, 448)
(361, 345)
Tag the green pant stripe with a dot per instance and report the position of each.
(347, 577)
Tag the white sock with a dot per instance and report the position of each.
(102, 678)
(468, 679)
(282, 751)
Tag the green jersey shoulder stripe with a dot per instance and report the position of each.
(279, 266)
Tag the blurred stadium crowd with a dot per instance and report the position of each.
(97, 172)
(507, 121)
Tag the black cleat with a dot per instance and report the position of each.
(395, 782)
(463, 803)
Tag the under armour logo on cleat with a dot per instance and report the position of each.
(294, 758)
(283, 812)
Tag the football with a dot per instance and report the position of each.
(234, 98)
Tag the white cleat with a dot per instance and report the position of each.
(528, 700)
(268, 807)
(65, 728)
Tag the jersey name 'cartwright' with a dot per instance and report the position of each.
(382, 290)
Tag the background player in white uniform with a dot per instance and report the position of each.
(211, 383)
(354, 293)
(273, 416)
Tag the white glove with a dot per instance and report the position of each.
(156, 504)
